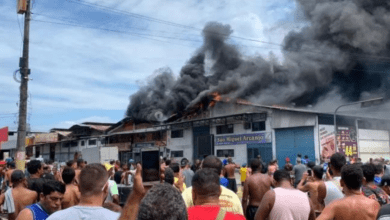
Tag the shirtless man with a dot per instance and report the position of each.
(272, 168)
(312, 187)
(230, 169)
(164, 165)
(354, 205)
(72, 193)
(7, 183)
(255, 187)
(21, 195)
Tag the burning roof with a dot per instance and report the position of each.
(333, 56)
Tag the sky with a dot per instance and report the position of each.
(87, 57)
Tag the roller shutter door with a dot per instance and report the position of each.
(373, 144)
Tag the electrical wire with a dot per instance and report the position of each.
(147, 36)
(150, 36)
(81, 2)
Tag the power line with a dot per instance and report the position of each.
(147, 36)
(81, 2)
(143, 36)
(150, 36)
(132, 27)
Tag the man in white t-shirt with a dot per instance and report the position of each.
(94, 189)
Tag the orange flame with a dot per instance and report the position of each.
(217, 96)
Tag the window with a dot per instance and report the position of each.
(82, 143)
(92, 142)
(258, 126)
(177, 134)
(225, 129)
(178, 153)
(223, 153)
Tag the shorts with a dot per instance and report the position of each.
(232, 185)
(251, 212)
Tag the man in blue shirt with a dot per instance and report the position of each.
(50, 202)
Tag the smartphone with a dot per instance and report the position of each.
(309, 172)
(150, 161)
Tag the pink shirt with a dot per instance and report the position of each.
(290, 204)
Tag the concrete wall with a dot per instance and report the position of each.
(185, 144)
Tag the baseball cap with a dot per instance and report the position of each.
(108, 166)
(385, 180)
(287, 159)
(183, 162)
(131, 161)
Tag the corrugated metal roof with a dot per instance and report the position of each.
(63, 133)
(95, 127)
(9, 145)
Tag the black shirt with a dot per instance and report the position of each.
(118, 177)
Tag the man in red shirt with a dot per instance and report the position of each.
(205, 194)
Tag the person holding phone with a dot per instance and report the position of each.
(312, 186)
(331, 190)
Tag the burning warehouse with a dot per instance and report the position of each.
(244, 130)
(327, 63)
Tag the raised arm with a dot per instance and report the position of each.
(130, 211)
(303, 187)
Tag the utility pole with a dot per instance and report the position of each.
(24, 71)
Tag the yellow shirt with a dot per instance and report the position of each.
(228, 200)
(243, 171)
(184, 185)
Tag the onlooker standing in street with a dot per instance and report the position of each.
(243, 173)
(385, 184)
(254, 188)
(72, 193)
(230, 169)
(229, 200)
(298, 172)
(354, 205)
(331, 190)
(35, 181)
(206, 191)
(379, 168)
(93, 188)
(288, 166)
(15, 199)
(176, 171)
(187, 172)
(196, 166)
(312, 186)
(284, 202)
(370, 189)
(7, 181)
(50, 202)
(225, 161)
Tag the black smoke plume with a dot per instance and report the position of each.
(344, 50)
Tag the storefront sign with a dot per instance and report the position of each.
(46, 138)
(347, 141)
(243, 139)
(327, 140)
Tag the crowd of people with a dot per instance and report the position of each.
(206, 189)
